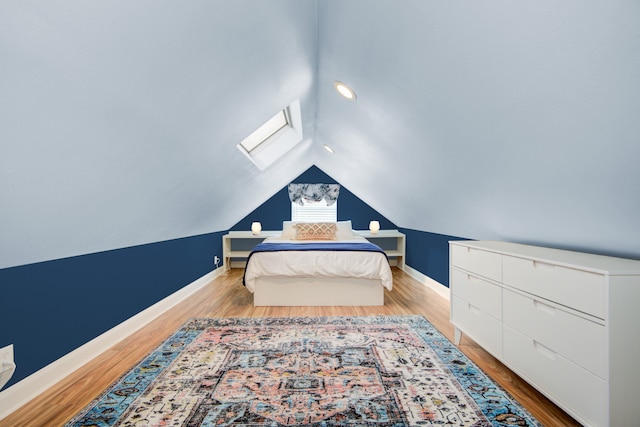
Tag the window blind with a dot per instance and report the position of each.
(314, 212)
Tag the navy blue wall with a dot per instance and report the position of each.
(57, 306)
(278, 208)
(429, 253)
(426, 252)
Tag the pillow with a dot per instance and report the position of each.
(316, 231)
(288, 229)
(344, 230)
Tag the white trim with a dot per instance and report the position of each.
(30, 387)
(438, 287)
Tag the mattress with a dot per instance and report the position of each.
(313, 262)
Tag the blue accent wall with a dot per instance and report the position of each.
(429, 253)
(426, 252)
(56, 306)
(278, 208)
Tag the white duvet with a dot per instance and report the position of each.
(358, 264)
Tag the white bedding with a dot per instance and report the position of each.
(356, 264)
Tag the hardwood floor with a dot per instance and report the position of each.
(226, 297)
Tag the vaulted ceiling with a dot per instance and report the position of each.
(490, 120)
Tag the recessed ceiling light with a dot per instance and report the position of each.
(345, 90)
(329, 149)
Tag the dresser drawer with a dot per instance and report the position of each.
(478, 261)
(573, 388)
(482, 328)
(484, 295)
(581, 290)
(577, 339)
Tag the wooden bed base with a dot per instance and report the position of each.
(317, 291)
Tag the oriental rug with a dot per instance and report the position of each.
(306, 371)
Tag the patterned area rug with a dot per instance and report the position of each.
(326, 371)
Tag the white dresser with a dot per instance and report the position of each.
(566, 322)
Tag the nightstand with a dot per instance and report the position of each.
(238, 245)
(391, 241)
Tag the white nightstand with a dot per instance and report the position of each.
(391, 241)
(238, 244)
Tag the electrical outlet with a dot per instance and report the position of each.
(6, 354)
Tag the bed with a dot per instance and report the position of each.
(321, 268)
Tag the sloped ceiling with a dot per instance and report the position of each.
(488, 120)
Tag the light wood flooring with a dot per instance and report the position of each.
(226, 297)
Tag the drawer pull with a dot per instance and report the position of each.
(473, 251)
(472, 279)
(543, 266)
(546, 351)
(544, 307)
(473, 309)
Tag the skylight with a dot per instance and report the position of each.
(266, 131)
(274, 138)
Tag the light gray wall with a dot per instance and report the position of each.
(119, 120)
(491, 120)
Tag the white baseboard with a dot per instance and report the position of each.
(438, 287)
(25, 390)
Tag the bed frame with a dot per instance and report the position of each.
(317, 291)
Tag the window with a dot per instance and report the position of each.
(314, 202)
(274, 138)
(314, 212)
(270, 129)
